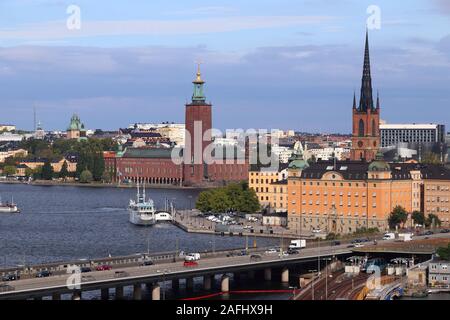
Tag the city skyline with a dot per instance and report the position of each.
(265, 64)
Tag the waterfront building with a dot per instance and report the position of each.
(76, 128)
(436, 193)
(56, 164)
(439, 273)
(366, 117)
(12, 153)
(156, 164)
(270, 186)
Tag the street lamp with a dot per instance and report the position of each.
(312, 283)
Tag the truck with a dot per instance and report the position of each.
(389, 236)
(297, 244)
(405, 236)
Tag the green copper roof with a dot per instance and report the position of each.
(163, 153)
(198, 95)
(297, 161)
(379, 164)
(75, 123)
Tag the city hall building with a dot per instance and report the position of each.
(191, 167)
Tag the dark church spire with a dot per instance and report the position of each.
(378, 100)
(366, 100)
(354, 100)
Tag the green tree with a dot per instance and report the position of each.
(397, 217)
(29, 172)
(418, 217)
(433, 221)
(444, 252)
(9, 170)
(86, 176)
(98, 166)
(47, 171)
(107, 176)
(64, 171)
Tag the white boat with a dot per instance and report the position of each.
(166, 214)
(142, 211)
(8, 207)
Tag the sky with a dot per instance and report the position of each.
(284, 64)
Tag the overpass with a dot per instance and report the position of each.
(152, 275)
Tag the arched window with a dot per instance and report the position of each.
(374, 129)
(361, 128)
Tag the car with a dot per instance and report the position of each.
(293, 251)
(103, 267)
(11, 277)
(428, 233)
(120, 274)
(85, 269)
(336, 243)
(147, 263)
(192, 256)
(271, 251)
(190, 263)
(283, 254)
(243, 253)
(43, 274)
(445, 230)
(316, 231)
(351, 245)
(255, 257)
(358, 245)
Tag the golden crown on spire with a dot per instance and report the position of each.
(199, 75)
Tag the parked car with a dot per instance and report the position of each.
(103, 267)
(85, 269)
(428, 233)
(271, 251)
(11, 277)
(445, 230)
(190, 263)
(255, 257)
(43, 274)
(147, 263)
(316, 231)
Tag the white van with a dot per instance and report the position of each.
(192, 257)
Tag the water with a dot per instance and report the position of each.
(63, 223)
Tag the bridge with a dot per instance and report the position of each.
(137, 275)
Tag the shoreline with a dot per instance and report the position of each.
(101, 185)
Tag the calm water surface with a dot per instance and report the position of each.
(65, 223)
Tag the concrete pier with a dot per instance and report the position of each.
(225, 283)
(105, 294)
(156, 292)
(137, 292)
(268, 274)
(119, 293)
(285, 275)
(207, 282)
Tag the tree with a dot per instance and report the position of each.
(86, 176)
(98, 166)
(433, 221)
(107, 176)
(47, 171)
(418, 217)
(9, 170)
(64, 171)
(398, 217)
(444, 252)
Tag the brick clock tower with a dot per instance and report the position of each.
(198, 134)
(366, 118)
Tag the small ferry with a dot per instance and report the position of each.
(142, 211)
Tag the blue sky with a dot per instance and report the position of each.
(268, 64)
